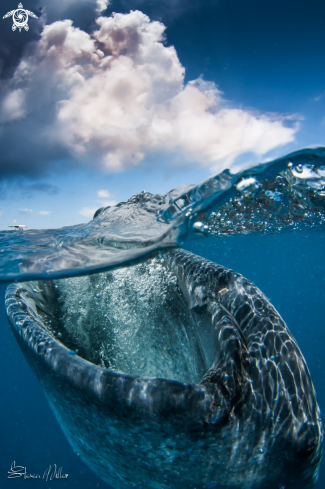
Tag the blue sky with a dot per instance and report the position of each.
(161, 93)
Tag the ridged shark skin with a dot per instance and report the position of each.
(253, 421)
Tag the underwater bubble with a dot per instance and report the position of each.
(245, 183)
(273, 195)
(200, 228)
(305, 172)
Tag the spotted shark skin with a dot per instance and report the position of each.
(260, 368)
(252, 422)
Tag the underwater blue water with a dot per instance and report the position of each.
(30, 433)
(289, 267)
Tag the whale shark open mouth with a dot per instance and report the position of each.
(174, 372)
(166, 370)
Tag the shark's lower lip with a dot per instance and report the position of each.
(106, 347)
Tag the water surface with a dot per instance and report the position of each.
(266, 223)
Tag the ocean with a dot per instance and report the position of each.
(267, 225)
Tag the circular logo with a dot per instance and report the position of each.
(20, 19)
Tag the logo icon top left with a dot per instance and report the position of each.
(20, 17)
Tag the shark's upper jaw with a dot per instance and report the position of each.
(184, 353)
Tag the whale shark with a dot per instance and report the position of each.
(173, 372)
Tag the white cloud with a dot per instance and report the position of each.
(87, 211)
(81, 11)
(1, 213)
(12, 106)
(102, 5)
(117, 98)
(106, 203)
(25, 211)
(103, 194)
(44, 213)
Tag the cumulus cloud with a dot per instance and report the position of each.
(103, 194)
(101, 5)
(44, 213)
(83, 13)
(117, 98)
(88, 211)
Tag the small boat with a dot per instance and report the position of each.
(20, 227)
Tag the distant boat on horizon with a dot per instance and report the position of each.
(20, 227)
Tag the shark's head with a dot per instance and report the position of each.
(174, 372)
